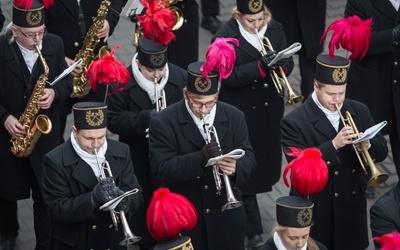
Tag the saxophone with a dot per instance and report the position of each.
(35, 125)
(81, 85)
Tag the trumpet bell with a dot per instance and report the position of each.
(178, 15)
(129, 237)
(231, 204)
(377, 179)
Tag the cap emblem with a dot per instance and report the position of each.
(95, 119)
(339, 75)
(202, 85)
(304, 217)
(255, 6)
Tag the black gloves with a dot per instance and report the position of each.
(104, 191)
(266, 59)
(396, 34)
(123, 205)
(209, 150)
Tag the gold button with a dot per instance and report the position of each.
(328, 163)
(336, 173)
(207, 210)
(94, 227)
(206, 187)
(266, 104)
(197, 177)
(354, 192)
(336, 194)
(76, 44)
(111, 226)
(353, 171)
(265, 85)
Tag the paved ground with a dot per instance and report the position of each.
(124, 35)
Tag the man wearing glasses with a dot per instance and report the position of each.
(20, 71)
(179, 154)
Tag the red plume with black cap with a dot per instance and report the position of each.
(220, 56)
(169, 214)
(27, 4)
(352, 34)
(389, 241)
(108, 70)
(157, 21)
(308, 171)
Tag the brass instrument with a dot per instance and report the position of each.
(293, 98)
(364, 157)
(161, 101)
(129, 237)
(178, 21)
(35, 125)
(232, 202)
(86, 53)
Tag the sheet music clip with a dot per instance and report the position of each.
(132, 7)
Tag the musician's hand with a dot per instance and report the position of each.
(104, 191)
(14, 128)
(46, 99)
(123, 205)
(76, 70)
(227, 166)
(209, 151)
(344, 137)
(365, 143)
(266, 59)
(104, 31)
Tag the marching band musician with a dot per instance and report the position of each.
(132, 109)
(294, 217)
(71, 20)
(74, 188)
(21, 70)
(340, 208)
(179, 153)
(251, 89)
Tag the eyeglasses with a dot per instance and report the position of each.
(200, 104)
(33, 34)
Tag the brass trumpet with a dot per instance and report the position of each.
(232, 202)
(129, 237)
(364, 157)
(281, 80)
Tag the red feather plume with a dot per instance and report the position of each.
(157, 21)
(352, 34)
(169, 214)
(108, 70)
(27, 4)
(389, 241)
(309, 173)
(220, 56)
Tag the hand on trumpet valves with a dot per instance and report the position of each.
(227, 166)
(123, 205)
(345, 137)
(267, 59)
(104, 191)
(209, 151)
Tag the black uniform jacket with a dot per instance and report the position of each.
(16, 85)
(385, 213)
(374, 80)
(270, 245)
(257, 97)
(340, 208)
(68, 182)
(129, 117)
(174, 145)
(303, 22)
